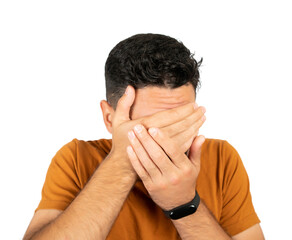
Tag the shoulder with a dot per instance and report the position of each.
(86, 151)
(77, 146)
(218, 148)
(224, 159)
(81, 155)
(88, 154)
(102, 145)
(220, 156)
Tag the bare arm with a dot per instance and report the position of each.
(94, 210)
(200, 225)
(169, 186)
(172, 183)
(203, 225)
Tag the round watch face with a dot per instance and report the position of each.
(182, 212)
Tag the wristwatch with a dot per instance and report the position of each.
(184, 210)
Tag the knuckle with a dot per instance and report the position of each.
(174, 153)
(175, 179)
(144, 122)
(136, 143)
(187, 170)
(151, 168)
(185, 147)
(143, 135)
(162, 185)
(175, 113)
(170, 132)
(185, 123)
(194, 130)
(198, 113)
(190, 120)
(201, 110)
(157, 155)
(144, 178)
(164, 132)
(149, 186)
(150, 121)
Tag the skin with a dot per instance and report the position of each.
(182, 130)
(180, 124)
(151, 99)
(173, 183)
(148, 101)
(178, 121)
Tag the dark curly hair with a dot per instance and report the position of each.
(149, 60)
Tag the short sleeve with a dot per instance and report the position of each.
(61, 184)
(238, 213)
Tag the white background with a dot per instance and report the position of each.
(52, 56)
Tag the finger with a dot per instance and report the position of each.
(185, 123)
(184, 139)
(169, 146)
(124, 104)
(167, 117)
(137, 164)
(155, 152)
(195, 150)
(142, 155)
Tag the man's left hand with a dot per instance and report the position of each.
(168, 174)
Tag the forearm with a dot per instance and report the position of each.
(200, 225)
(93, 212)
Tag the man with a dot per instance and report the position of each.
(155, 179)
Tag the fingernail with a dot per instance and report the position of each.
(195, 105)
(138, 128)
(131, 135)
(152, 131)
(203, 109)
(130, 149)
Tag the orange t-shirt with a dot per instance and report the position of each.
(223, 184)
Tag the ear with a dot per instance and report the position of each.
(108, 114)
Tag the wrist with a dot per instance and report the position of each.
(185, 209)
(122, 162)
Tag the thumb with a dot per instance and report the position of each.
(195, 150)
(124, 104)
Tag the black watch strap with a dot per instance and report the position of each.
(185, 209)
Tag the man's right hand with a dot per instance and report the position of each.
(181, 123)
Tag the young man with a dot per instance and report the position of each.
(155, 179)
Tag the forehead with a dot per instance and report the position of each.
(152, 99)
